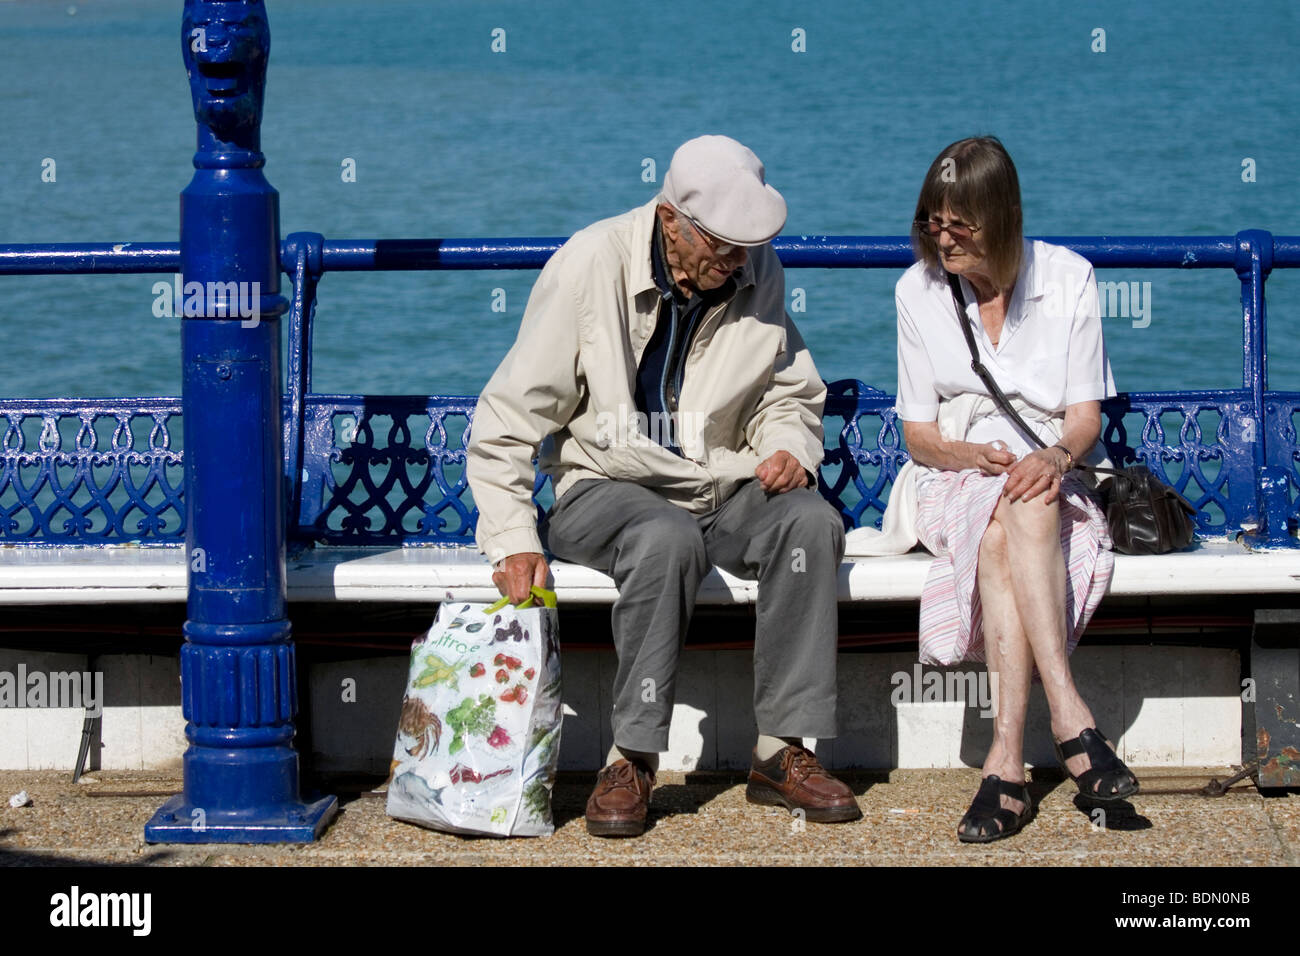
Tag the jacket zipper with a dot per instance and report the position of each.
(679, 372)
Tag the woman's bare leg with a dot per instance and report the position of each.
(1009, 658)
(1037, 570)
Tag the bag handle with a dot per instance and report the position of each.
(534, 593)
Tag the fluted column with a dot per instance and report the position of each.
(237, 664)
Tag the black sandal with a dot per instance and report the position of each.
(1113, 780)
(981, 822)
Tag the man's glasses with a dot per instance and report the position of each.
(716, 246)
(958, 230)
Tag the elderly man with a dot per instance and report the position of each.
(681, 419)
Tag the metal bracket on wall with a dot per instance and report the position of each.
(1275, 668)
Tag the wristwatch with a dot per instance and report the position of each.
(1069, 458)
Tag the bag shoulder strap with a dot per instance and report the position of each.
(959, 300)
(1000, 399)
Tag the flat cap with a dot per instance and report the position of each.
(720, 184)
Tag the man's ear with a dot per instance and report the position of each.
(667, 216)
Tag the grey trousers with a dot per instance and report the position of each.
(657, 554)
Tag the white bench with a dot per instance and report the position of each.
(1178, 705)
(124, 574)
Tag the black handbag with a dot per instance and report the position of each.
(1145, 515)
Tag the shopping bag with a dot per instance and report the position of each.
(478, 741)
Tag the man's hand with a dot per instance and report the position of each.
(1035, 473)
(781, 473)
(517, 573)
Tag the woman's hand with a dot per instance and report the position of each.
(992, 458)
(928, 447)
(1037, 472)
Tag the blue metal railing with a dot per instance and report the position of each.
(94, 472)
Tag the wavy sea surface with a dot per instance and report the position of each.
(452, 139)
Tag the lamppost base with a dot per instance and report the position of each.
(179, 822)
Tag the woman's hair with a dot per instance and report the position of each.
(976, 180)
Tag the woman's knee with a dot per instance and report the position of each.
(994, 543)
(1031, 520)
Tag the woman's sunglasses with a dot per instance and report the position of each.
(958, 230)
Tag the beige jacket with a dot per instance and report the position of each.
(750, 388)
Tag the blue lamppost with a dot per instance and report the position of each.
(237, 664)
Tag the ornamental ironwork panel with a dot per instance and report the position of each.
(1198, 442)
(91, 475)
(864, 451)
(390, 470)
(385, 469)
(1282, 421)
(1201, 443)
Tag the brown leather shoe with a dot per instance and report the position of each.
(793, 778)
(618, 805)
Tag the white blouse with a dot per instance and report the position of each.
(1051, 353)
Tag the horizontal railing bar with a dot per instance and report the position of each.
(1152, 252)
(76, 405)
(394, 255)
(796, 252)
(88, 258)
(157, 402)
(1286, 251)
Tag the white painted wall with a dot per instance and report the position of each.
(1167, 706)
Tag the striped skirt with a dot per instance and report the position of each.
(954, 510)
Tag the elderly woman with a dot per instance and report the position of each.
(1021, 552)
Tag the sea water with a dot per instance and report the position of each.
(454, 118)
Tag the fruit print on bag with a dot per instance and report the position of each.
(513, 630)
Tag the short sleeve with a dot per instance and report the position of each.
(1088, 377)
(918, 399)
